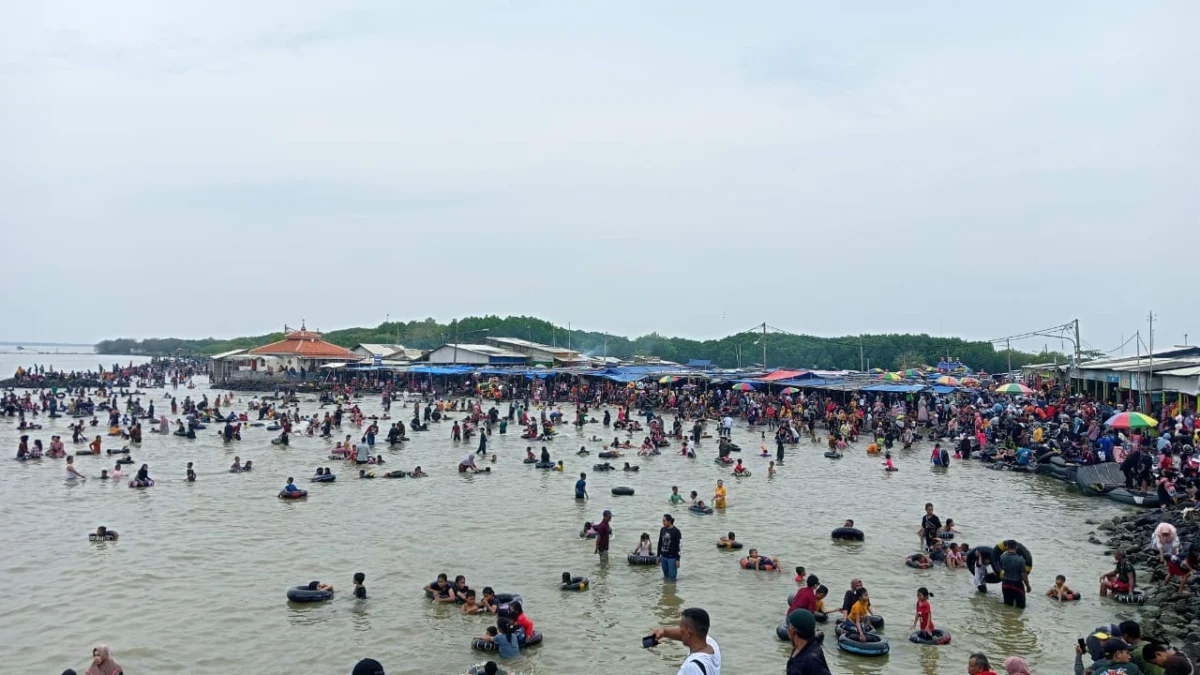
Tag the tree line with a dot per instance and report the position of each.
(888, 351)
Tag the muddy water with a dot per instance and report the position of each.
(196, 584)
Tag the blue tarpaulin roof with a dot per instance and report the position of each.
(941, 389)
(699, 363)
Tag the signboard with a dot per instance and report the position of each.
(377, 360)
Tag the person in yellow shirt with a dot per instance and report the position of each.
(1037, 434)
(719, 495)
(860, 614)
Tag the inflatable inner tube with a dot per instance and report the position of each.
(108, 537)
(891, 468)
(1067, 597)
(122, 451)
(395, 474)
(530, 460)
(876, 621)
(695, 508)
(820, 617)
(125, 460)
(731, 546)
(945, 534)
(874, 645)
(833, 455)
(603, 467)
(935, 637)
(848, 533)
(914, 564)
(632, 468)
(1134, 598)
(723, 461)
(576, 584)
(763, 566)
(485, 646)
(742, 474)
(298, 494)
(622, 491)
(642, 559)
(608, 454)
(302, 594)
(328, 478)
(998, 550)
(141, 483)
(782, 633)
(544, 465)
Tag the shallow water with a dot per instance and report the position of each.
(196, 583)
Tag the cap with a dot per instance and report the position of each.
(367, 667)
(1115, 645)
(607, 513)
(803, 622)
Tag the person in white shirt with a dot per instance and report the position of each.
(362, 453)
(704, 656)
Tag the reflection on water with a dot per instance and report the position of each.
(203, 566)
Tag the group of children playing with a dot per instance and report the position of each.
(512, 627)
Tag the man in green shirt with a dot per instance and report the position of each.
(1116, 661)
(1121, 580)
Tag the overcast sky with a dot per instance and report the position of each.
(691, 168)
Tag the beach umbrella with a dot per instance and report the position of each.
(668, 379)
(947, 381)
(890, 377)
(788, 391)
(912, 372)
(1131, 420)
(877, 371)
(743, 386)
(1013, 388)
(970, 382)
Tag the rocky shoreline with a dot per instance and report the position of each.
(74, 383)
(1167, 614)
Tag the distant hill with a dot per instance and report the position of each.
(890, 351)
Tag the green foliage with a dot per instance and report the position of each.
(800, 351)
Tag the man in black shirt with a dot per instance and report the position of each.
(807, 656)
(669, 546)
(851, 596)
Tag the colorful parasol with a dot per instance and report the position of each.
(1013, 388)
(890, 377)
(1131, 420)
(970, 382)
(911, 372)
(668, 379)
(947, 381)
(877, 371)
(742, 386)
(788, 391)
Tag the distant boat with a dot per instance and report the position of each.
(20, 348)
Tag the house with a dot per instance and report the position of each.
(391, 353)
(539, 353)
(475, 355)
(300, 352)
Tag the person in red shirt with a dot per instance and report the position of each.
(924, 619)
(978, 664)
(806, 598)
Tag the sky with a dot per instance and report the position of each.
(969, 169)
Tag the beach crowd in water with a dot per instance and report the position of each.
(1014, 432)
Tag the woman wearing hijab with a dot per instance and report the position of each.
(1013, 665)
(143, 473)
(103, 663)
(1165, 541)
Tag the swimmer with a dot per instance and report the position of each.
(291, 485)
(360, 591)
(954, 557)
(493, 459)
(191, 475)
(739, 468)
(237, 465)
(116, 472)
(761, 562)
(95, 446)
(103, 532)
(694, 496)
(675, 497)
(887, 461)
(72, 472)
(103, 474)
(560, 466)
(719, 494)
(923, 620)
(1060, 590)
(471, 605)
(440, 589)
(529, 454)
(922, 561)
(248, 466)
(582, 452)
(488, 603)
(728, 540)
(771, 469)
(644, 547)
(318, 586)
(418, 473)
(801, 574)
(362, 473)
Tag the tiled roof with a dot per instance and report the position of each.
(306, 344)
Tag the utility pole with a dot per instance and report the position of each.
(606, 349)
(1150, 378)
(764, 341)
(1008, 350)
(568, 336)
(862, 363)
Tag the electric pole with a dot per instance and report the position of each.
(1150, 378)
(1008, 350)
(764, 341)
(862, 364)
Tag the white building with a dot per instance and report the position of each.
(475, 355)
(540, 353)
